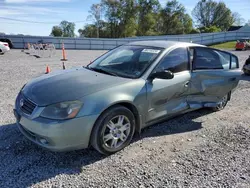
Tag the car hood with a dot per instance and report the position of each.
(68, 85)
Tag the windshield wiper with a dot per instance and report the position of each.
(102, 71)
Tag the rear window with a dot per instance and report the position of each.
(235, 63)
(205, 58)
(224, 59)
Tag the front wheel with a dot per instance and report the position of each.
(113, 131)
(222, 103)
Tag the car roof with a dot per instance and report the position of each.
(163, 43)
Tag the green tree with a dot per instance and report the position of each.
(128, 18)
(194, 31)
(238, 20)
(174, 19)
(112, 10)
(95, 15)
(187, 23)
(121, 16)
(90, 30)
(211, 29)
(56, 31)
(128, 13)
(147, 17)
(68, 28)
(211, 13)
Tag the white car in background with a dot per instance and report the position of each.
(4, 47)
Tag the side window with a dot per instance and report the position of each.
(234, 62)
(224, 59)
(206, 59)
(175, 61)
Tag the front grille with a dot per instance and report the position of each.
(27, 107)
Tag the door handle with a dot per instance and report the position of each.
(232, 79)
(186, 84)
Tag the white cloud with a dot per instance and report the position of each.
(32, 9)
(8, 13)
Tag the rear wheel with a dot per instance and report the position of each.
(113, 131)
(1, 52)
(222, 103)
(246, 72)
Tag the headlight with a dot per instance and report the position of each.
(63, 110)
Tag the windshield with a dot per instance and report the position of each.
(126, 61)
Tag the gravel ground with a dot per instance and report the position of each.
(199, 149)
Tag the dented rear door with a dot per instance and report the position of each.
(214, 74)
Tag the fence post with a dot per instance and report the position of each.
(23, 42)
(75, 42)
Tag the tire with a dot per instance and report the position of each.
(113, 133)
(246, 72)
(1, 52)
(222, 104)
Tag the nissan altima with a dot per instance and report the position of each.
(123, 91)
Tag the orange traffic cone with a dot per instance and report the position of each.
(47, 70)
(63, 53)
(63, 66)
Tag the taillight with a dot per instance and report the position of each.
(6, 44)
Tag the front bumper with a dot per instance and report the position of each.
(5, 49)
(55, 135)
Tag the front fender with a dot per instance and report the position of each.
(133, 92)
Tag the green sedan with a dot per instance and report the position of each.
(123, 91)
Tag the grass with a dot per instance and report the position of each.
(227, 45)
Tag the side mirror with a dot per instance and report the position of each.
(164, 74)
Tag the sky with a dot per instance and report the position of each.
(48, 13)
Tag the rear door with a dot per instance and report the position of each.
(214, 74)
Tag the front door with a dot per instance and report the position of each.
(168, 97)
(214, 74)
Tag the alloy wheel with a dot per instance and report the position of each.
(223, 102)
(116, 131)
